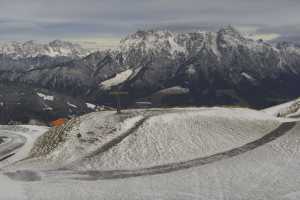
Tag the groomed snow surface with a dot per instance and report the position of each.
(141, 140)
(29, 133)
(289, 109)
(180, 136)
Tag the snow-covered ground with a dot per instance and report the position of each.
(182, 135)
(117, 79)
(29, 133)
(289, 109)
(240, 154)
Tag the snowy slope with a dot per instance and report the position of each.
(269, 171)
(78, 138)
(147, 138)
(289, 109)
(30, 133)
(117, 79)
(182, 136)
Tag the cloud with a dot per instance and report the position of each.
(92, 18)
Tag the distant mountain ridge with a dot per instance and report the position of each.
(217, 67)
(30, 49)
(166, 68)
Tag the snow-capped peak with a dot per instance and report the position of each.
(170, 43)
(153, 41)
(229, 36)
(32, 48)
(230, 30)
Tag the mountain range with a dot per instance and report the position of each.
(161, 67)
(30, 49)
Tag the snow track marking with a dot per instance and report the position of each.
(118, 139)
(114, 141)
(13, 143)
(160, 169)
(7, 156)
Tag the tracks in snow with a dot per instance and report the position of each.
(160, 169)
(115, 141)
(68, 173)
(13, 143)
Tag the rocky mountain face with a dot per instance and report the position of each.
(21, 102)
(217, 68)
(165, 68)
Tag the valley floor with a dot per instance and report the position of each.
(192, 153)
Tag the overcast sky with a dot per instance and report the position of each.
(86, 19)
